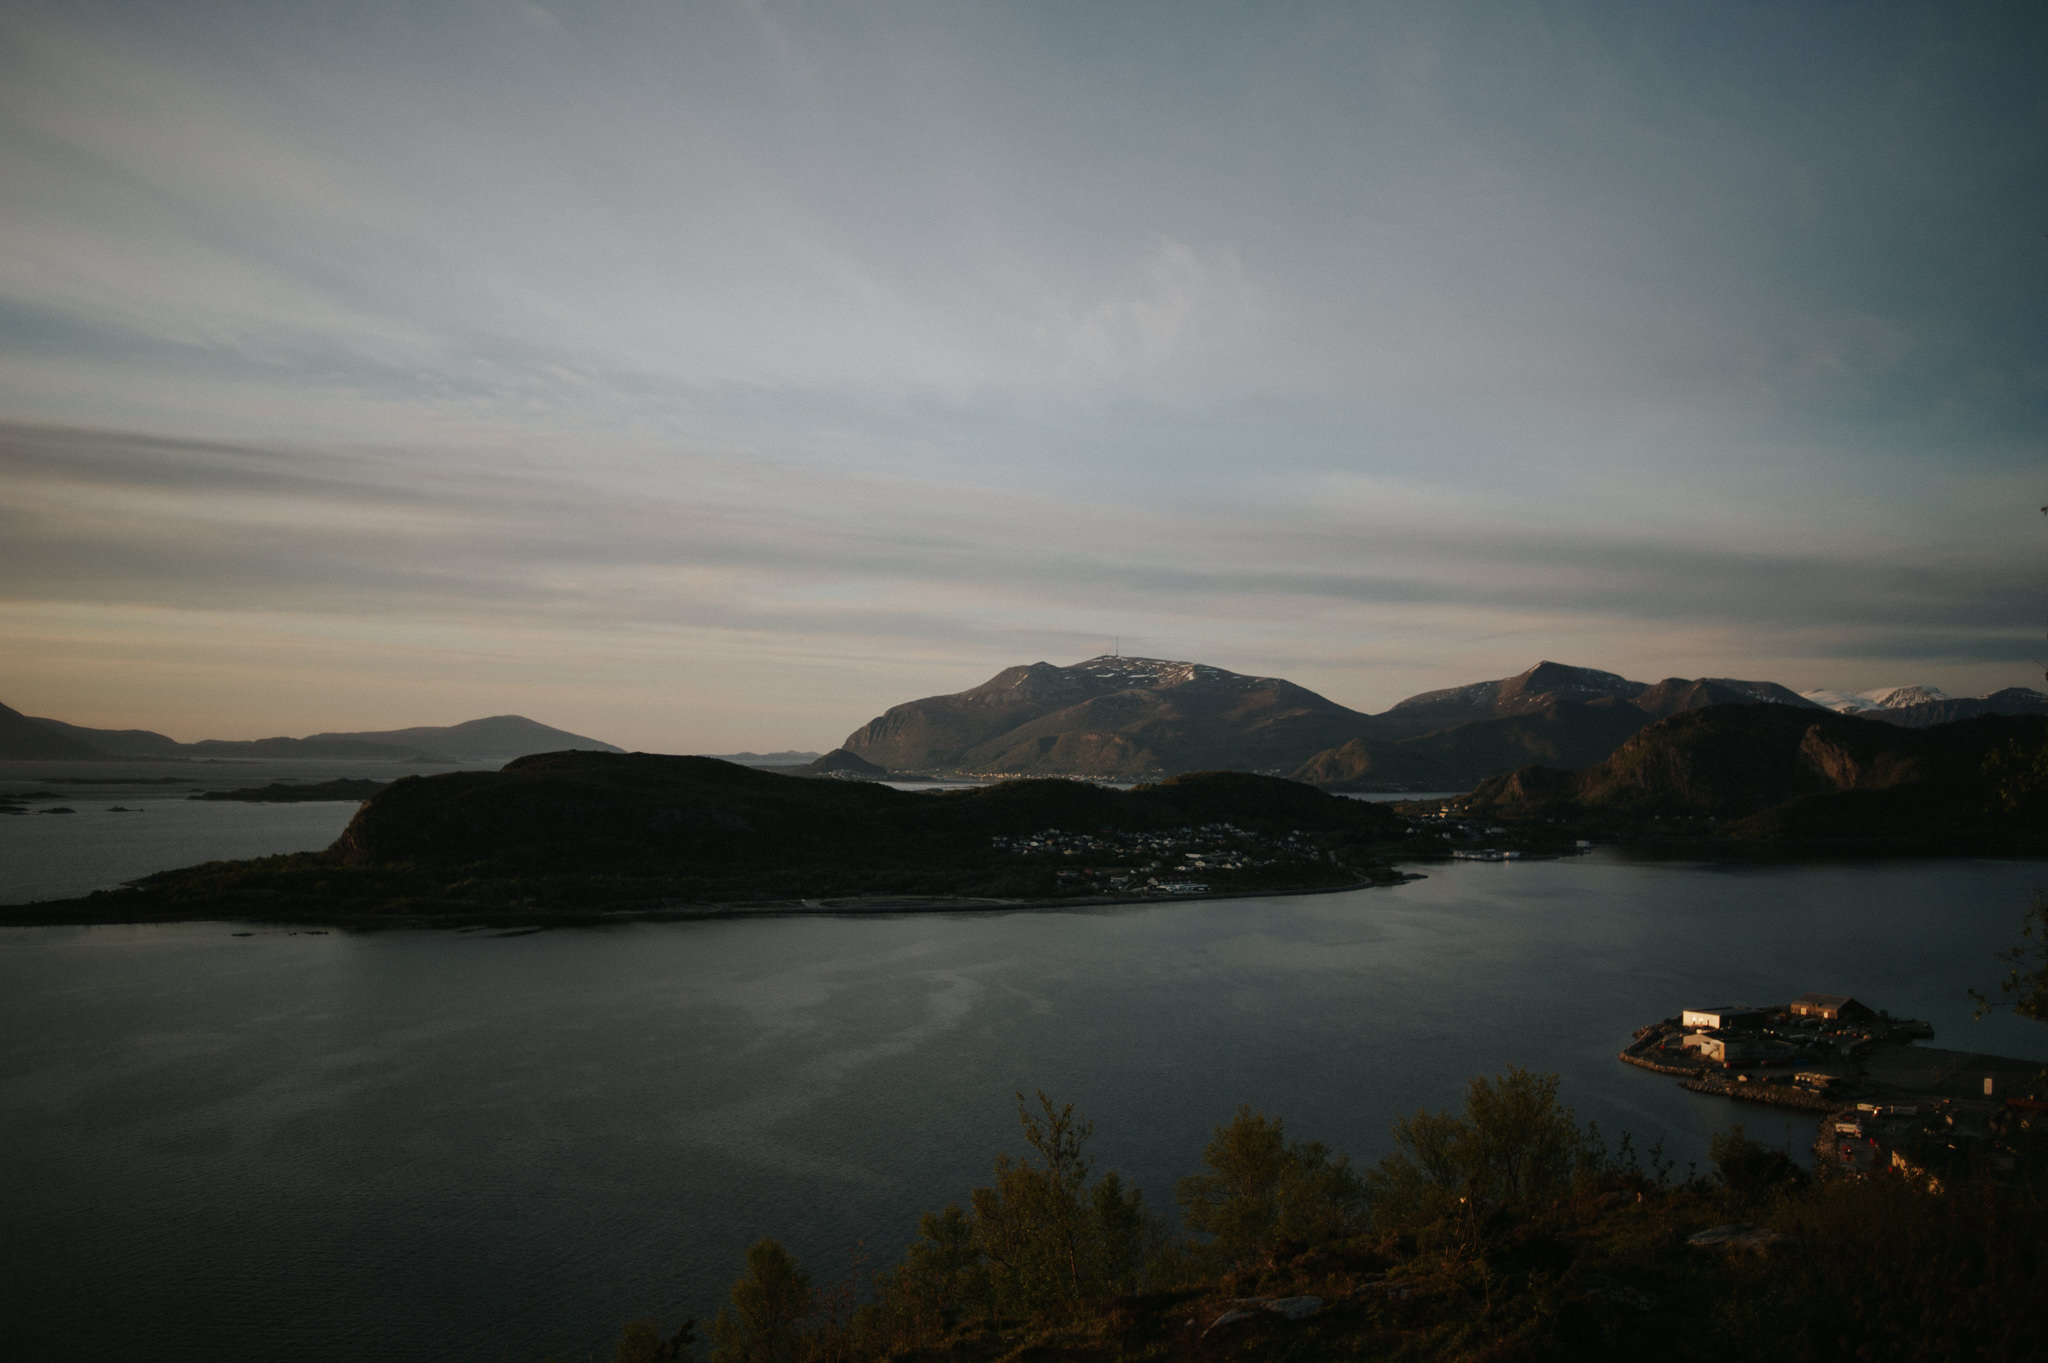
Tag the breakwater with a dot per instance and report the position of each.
(1776, 1095)
(1644, 1062)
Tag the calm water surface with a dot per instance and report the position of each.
(59, 856)
(439, 1145)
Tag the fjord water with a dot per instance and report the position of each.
(158, 826)
(442, 1145)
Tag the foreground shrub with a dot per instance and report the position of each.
(1262, 1193)
(1749, 1169)
(1513, 1144)
(765, 1322)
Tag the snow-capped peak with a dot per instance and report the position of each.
(1884, 698)
(1154, 671)
(1892, 697)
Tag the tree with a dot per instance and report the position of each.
(1513, 1143)
(1262, 1191)
(2025, 986)
(770, 1300)
(1044, 1236)
(2022, 777)
(1749, 1168)
(941, 1281)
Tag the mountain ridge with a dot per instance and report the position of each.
(1918, 707)
(496, 738)
(1109, 716)
(1764, 773)
(1137, 718)
(1539, 725)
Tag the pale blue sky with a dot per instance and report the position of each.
(715, 375)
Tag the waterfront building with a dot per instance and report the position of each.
(1725, 1018)
(1830, 1008)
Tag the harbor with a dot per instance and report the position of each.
(1882, 1100)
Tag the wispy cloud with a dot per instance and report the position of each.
(1390, 345)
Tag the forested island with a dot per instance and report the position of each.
(570, 835)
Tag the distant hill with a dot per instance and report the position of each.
(1552, 714)
(1549, 685)
(499, 738)
(842, 764)
(335, 746)
(23, 737)
(790, 758)
(496, 739)
(1109, 717)
(115, 742)
(1460, 757)
(1764, 771)
(1543, 685)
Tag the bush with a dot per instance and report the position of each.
(770, 1300)
(641, 1341)
(1040, 1237)
(1043, 1234)
(1263, 1192)
(1514, 1143)
(1748, 1168)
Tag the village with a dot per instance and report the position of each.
(1884, 1103)
(1163, 861)
(1474, 839)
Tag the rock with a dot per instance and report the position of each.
(1737, 1235)
(1288, 1308)
(1295, 1308)
(1227, 1317)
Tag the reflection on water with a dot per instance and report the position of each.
(419, 1145)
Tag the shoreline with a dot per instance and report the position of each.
(16, 916)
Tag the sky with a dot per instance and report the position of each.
(706, 377)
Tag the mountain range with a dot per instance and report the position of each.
(1917, 707)
(1777, 773)
(1135, 718)
(1121, 718)
(496, 739)
(1552, 714)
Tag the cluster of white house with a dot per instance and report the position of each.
(1733, 1035)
